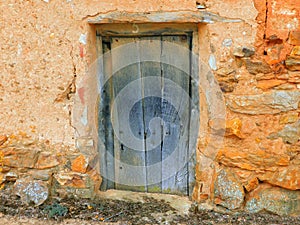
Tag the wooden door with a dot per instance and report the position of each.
(151, 166)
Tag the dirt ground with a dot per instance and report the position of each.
(112, 211)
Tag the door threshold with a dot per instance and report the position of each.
(181, 203)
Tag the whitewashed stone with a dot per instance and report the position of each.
(266, 103)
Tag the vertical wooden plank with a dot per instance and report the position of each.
(150, 48)
(176, 117)
(105, 128)
(130, 171)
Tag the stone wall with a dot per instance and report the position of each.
(47, 49)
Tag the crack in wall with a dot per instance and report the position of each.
(266, 20)
(97, 14)
(72, 87)
(68, 93)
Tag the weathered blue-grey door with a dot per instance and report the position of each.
(139, 100)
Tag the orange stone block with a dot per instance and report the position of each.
(233, 127)
(286, 177)
(267, 84)
(80, 164)
(254, 160)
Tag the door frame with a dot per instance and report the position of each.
(151, 29)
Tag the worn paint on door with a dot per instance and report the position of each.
(159, 122)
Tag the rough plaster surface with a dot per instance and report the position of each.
(43, 53)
